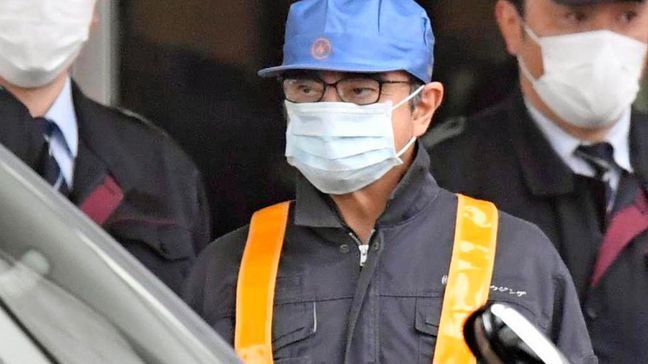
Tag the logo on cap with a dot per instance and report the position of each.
(321, 49)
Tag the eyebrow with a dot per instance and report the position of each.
(570, 7)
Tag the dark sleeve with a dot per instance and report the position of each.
(568, 328)
(17, 132)
(202, 227)
(189, 189)
(166, 214)
(542, 287)
(210, 289)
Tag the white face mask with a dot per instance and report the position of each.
(589, 78)
(39, 39)
(341, 147)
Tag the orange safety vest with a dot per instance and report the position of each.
(467, 288)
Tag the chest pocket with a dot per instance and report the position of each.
(428, 316)
(294, 324)
(294, 321)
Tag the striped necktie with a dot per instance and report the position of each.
(600, 157)
(49, 168)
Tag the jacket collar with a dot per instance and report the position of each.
(416, 190)
(639, 146)
(543, 170)
(100, 152)
(564, 144)
(15, 135)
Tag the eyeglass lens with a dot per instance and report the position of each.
(361, 91)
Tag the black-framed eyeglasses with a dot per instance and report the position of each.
(361, 90)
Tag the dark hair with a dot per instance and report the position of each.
(416, 84)
(519, 4)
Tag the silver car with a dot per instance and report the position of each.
(70, 294)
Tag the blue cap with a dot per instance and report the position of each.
(358, 36)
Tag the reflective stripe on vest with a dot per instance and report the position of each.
(467, 288)
(469, 279)
(256, 284)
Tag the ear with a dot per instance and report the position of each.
(431, 97)
(510, 25)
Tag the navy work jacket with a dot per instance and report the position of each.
(330, 310)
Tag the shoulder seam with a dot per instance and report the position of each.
(133, 115)
(449, 129)
(141, 120)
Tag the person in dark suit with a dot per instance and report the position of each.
(567, 152)
(124, 173)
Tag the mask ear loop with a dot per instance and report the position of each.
(406, 147)
(530, 32)
(525, 71)
(407, 99)
(523, 67)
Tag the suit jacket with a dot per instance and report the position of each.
(129, 177)
(500, 155)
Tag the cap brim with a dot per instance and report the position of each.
(278, 70)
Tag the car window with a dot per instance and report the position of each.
(79, 293)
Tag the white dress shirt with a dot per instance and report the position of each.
(565, 145)
(65, 144)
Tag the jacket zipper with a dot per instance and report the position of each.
(364, 248)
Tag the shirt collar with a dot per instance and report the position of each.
(62, 113)
(564, 144)
(619, 138)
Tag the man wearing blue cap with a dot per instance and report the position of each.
(363, 266)
(567, 152)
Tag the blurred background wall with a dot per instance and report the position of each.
(190, 67)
